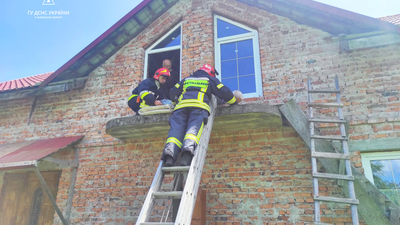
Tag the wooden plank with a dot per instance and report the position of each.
(333, 176)
(338, 138)
(318, 120)
(335, 199)
(327, 155)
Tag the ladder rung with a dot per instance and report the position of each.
(168, 194)
(330, 155)
(333, 176)
(335, 199)
(322, 91)
(176, 169)
(317, 120)
(338, 138)
(154, 223)
(317, 104)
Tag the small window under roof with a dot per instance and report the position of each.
(174, 39)
(226, 29)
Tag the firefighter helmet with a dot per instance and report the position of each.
(209, 69)
(162, 72)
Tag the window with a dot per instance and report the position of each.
(383, 170)
(237, 57)
(167, 47)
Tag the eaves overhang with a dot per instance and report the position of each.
(111, 41)
(230, 118)
(324, 17)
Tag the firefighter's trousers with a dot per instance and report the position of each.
(185, 131)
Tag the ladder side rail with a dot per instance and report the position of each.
(352, 194)
(186, 207)
(314, 164)
(145, 212)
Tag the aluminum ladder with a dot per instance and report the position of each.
(341, 156)
(188, 195)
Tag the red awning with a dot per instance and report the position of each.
(28, 153)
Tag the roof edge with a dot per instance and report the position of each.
(95, 42)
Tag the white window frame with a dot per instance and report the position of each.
(366, 159)
(253, 34)
(151, 51)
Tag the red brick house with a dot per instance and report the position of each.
(72, 128)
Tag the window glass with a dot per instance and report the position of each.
(386, 175)
(228, 51)
(238, 57)
(226, 29)
(174, 39)
(232, 83)
(245, 48)
(237, 60)
(246, 66)
(247, 84)
(229, 69)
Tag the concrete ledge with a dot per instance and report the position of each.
(230, 118)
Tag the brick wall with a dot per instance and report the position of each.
(267, 175)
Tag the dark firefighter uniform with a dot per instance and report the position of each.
(192, 111)
(145, 94)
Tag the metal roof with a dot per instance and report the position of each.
(22, 83)
(28, 153)
(395, 19)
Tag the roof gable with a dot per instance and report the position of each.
(321, 16)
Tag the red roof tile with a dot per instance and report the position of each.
(395, 19)
(23, 82)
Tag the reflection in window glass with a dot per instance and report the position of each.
(237, 60)
(226, 29)
(174, 39)
(386, 175)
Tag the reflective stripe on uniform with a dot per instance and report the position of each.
(200, 131)
(177, 85)
(132, 96)
(219, 86)
(192, 103)
(200, 83)
(143, 94)
(191, 136)
(233, 100)
(175, 141)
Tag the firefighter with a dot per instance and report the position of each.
(191, 112)
(148, 92)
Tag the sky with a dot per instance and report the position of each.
(31, 44)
